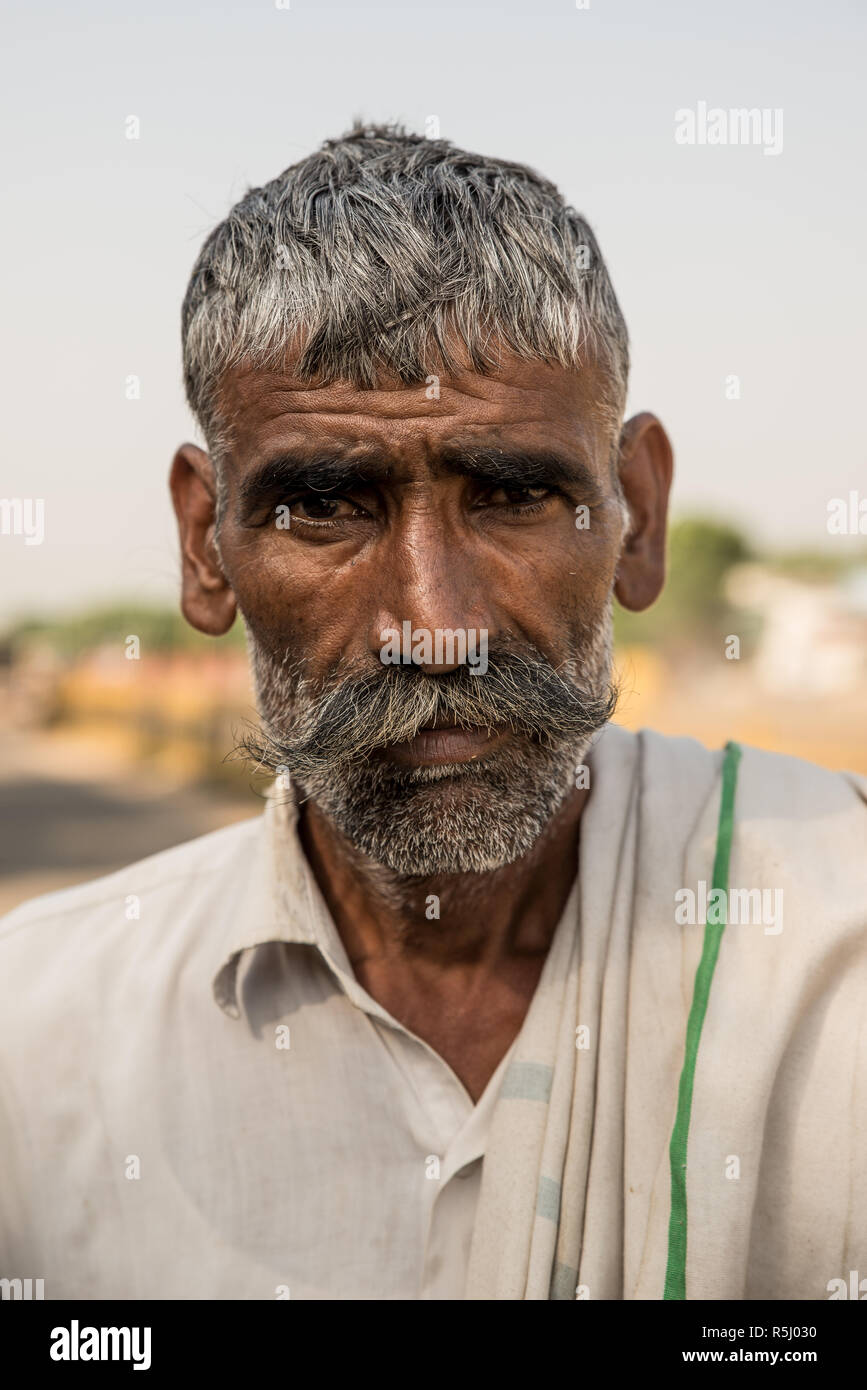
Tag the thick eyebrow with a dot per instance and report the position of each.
(318, 472)
(329, 472)
(519, 467)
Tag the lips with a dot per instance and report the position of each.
(444, 742)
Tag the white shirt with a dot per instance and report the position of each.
(199, 1100)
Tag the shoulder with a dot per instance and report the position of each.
(778, 784)
(806, 826)
(791, 817)
(799, 833)
(769, 785)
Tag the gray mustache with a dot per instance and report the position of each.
(350, 717)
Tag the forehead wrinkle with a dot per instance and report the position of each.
(274, 392)
(422, 442)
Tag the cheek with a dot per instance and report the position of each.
(567, 581)
(292, 601)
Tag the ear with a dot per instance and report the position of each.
(207, 600)
(645, 467)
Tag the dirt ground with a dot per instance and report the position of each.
(73, 808)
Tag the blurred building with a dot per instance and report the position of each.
(813, 636)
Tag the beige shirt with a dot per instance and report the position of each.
(199, 1100)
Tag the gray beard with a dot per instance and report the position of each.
(446, 819)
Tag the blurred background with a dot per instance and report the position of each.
(740, 274)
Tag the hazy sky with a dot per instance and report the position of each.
(727, 261)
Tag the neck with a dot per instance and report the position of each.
(444, 920)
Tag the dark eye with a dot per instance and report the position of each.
(518, 496)
(314, 506)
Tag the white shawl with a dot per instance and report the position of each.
(576, 1189)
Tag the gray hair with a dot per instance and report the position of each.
(385, 250)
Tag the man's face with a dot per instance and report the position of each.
(473, 504)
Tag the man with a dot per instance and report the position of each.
(496, 1000)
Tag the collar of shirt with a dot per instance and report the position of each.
(284, 901)
(285, 904)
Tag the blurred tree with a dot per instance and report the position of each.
(160, 629)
